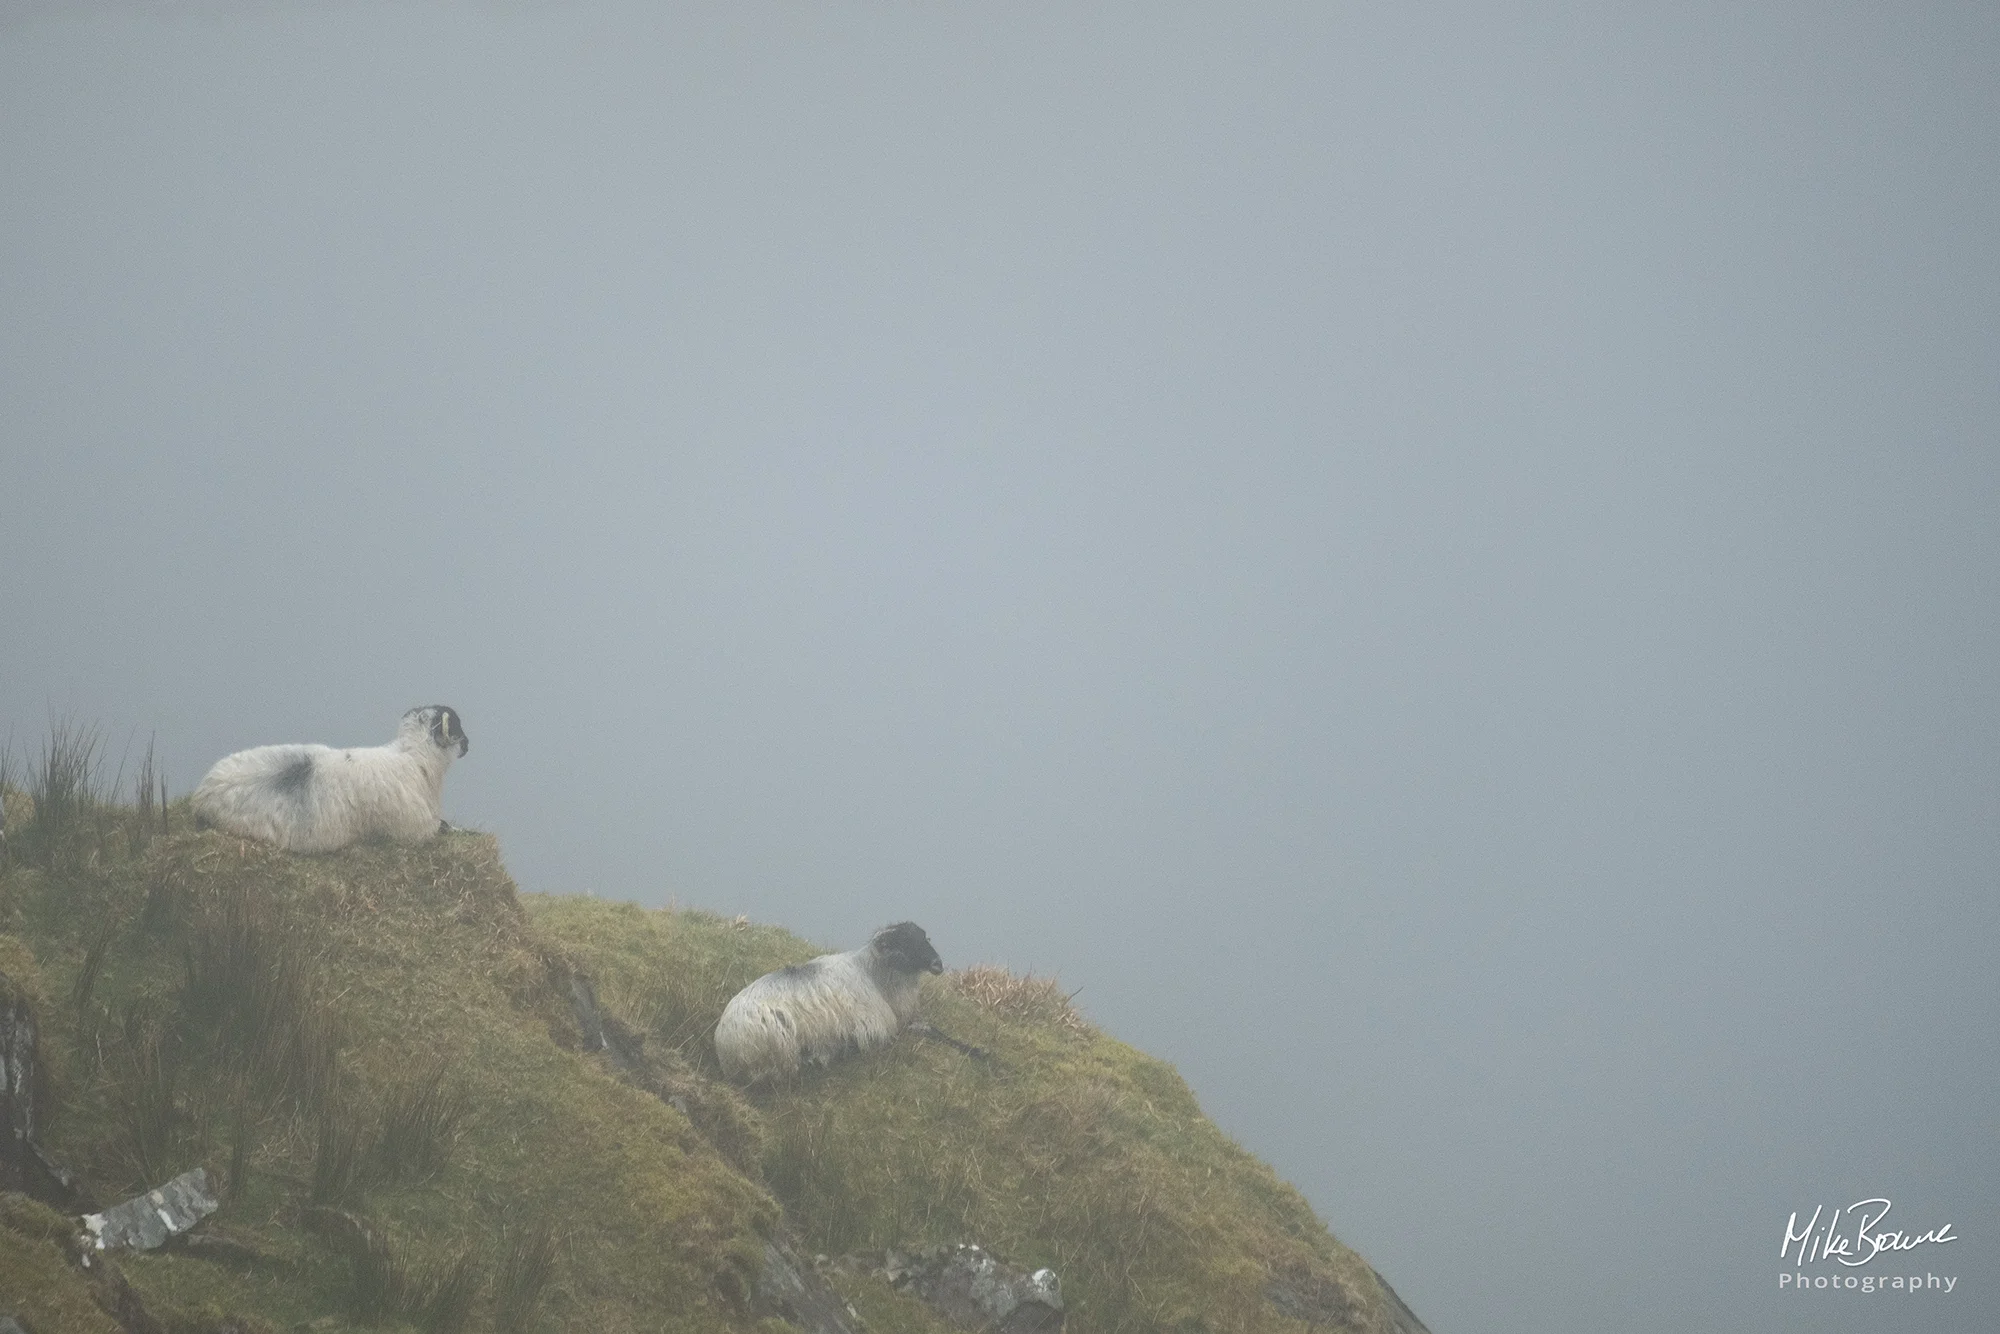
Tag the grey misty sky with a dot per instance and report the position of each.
(1440, 564)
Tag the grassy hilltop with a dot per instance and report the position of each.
(432, 1102)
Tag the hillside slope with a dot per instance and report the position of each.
(430, 1101)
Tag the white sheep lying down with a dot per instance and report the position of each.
(311, 798)
(818, 1011)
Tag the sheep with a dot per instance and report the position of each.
(310, 798)
(818, 1011)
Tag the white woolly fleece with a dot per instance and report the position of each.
(814, 1013)
(312, 798)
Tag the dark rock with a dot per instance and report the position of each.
(24, 1165)
(51, 1182)
(974, 1289)
(1402, 1320)
(1315, 1297)
(144, 1221)
(20, 1086)
(1322, 1301)
(121, 1301)
(589, 1017)
(599, 1029)
(794, 1291)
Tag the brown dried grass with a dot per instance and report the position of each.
(1027, 998)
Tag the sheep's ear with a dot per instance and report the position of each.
(447, 731)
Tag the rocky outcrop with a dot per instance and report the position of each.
(716, 1110)
(967, 1285)
(973, 1288)
(24, 1165)
(145, 1221)
(796, 1292)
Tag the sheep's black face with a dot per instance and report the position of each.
(445, 728)
(905, 948)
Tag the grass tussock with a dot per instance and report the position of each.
(421, 1120)
(65, 781)
(60, 814)
(336, 1162)
(1029, 999)
(529, 1264)
(149, 812)
(445, 1292)
(251, 995)
(93, 960)
(389, 1279)
(14, 811)
(146, 1103)
(66, 798)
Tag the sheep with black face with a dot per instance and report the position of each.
(815, 1012)
(312, 798)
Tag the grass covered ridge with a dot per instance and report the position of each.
(1063, 1148)
(377, 1056)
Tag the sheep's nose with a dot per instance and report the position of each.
(935, 966)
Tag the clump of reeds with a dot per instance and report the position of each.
(529, 1265)
(65, 817)
(387, 1283)
(146, 1099)
(799, 1140)
(380, 1284)
(443, 1292)
(242, 1140)
(8, 801)
(64, 789)
(421, 1119)
(336, 1153)
(249, 990)
(68, 817)
(149, 806)
(99, 944)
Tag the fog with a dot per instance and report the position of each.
(1441, 566)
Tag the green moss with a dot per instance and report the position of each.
(886, 1311)
(36, 1283)
(17, 965)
